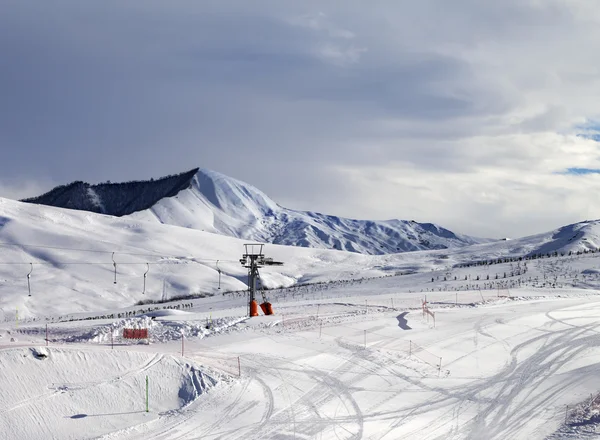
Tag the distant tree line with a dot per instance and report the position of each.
(529, 257)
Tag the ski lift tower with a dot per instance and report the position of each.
(252, 259)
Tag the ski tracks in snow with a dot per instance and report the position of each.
(283, 396)
(518, 399)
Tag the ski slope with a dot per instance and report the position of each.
(347, 355)
(331, 368)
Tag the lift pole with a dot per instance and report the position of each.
(252, 259)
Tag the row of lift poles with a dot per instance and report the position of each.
(253, 259)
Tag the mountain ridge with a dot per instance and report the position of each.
(83, 196)
(210, 201)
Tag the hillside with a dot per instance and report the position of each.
(210, 201)
(71, 253)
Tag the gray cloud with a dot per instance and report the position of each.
(313, 102)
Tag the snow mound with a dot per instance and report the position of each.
(158, 330)
(96, 392)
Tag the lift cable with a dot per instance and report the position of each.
(156, 255)
(96, 263)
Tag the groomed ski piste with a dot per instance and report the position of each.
(423, 345)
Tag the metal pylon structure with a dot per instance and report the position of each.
(253, 259)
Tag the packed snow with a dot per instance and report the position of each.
(483, 342)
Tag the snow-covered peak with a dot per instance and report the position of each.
(231, 195)
(220, 204)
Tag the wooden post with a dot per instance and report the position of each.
(147, 407)
(239, 368)
(320, 329)
(409, 348)
(112, 339)
(318, 307)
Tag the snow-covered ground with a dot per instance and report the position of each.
(513, 352)
(362, 366)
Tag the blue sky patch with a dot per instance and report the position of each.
(591, 136)
(581, 171)
(590, 130)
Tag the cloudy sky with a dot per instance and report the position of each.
(477, 115)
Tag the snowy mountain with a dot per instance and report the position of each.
(71, 254)
(210, 201)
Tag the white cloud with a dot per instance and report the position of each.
(333, 44)
(24, 189)
(338, 55)
(512, 185)
(320, 23)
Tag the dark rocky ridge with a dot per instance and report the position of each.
(116, 199)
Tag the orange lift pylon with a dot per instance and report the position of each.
(252, 259)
